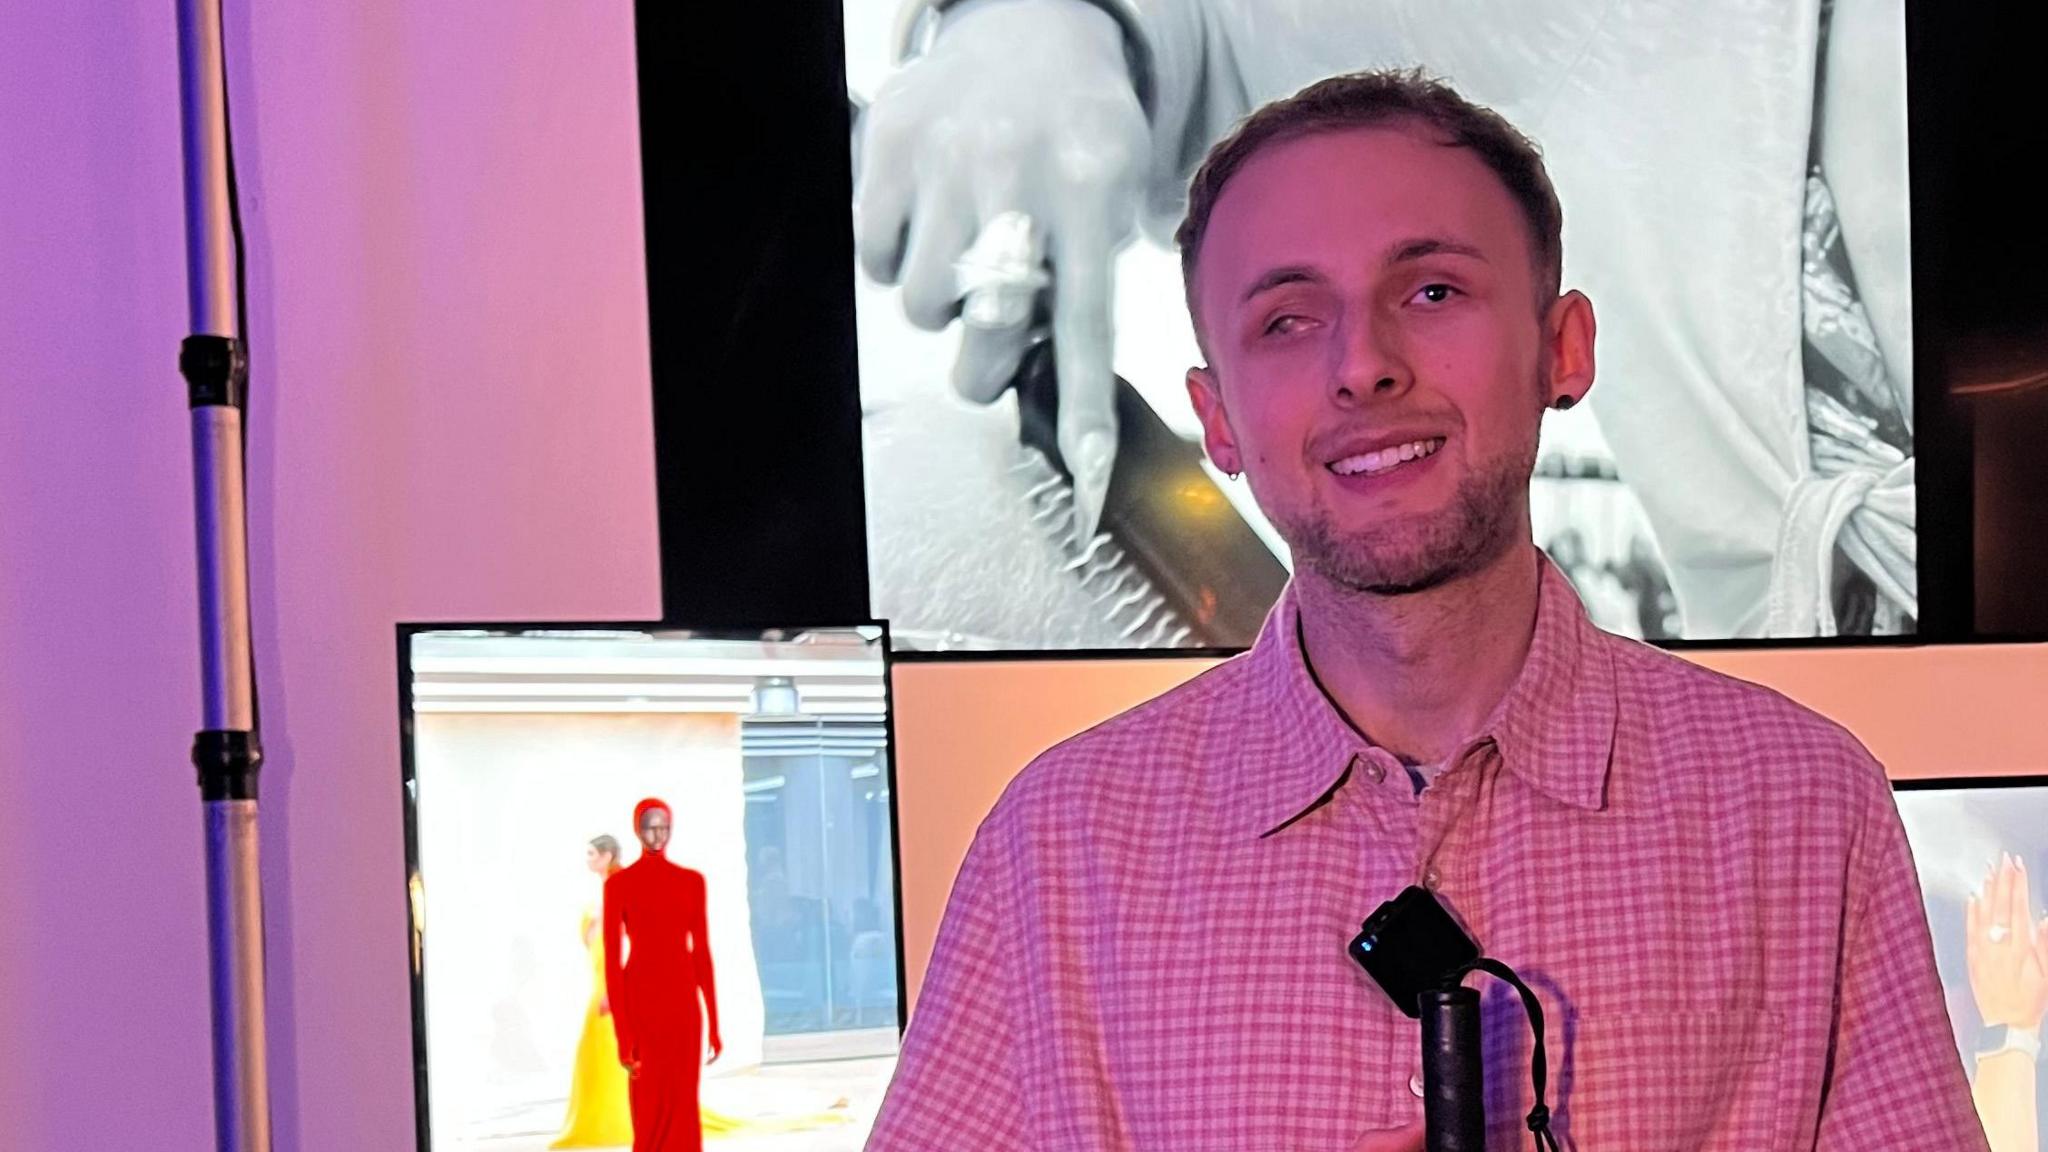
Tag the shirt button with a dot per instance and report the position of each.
(1415, 1084)
(1431, 879)
(1374, 772)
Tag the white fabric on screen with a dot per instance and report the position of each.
(1677, 135)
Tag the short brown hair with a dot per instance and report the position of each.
(1375, 99)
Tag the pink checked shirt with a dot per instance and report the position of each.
(1706, 884)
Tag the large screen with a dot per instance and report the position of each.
(527, 753)
(1734, 185)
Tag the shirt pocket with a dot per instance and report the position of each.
(1657, 1081)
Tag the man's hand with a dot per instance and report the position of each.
(1406, 1139)
(2008, 952)
(717, 1048)
(1016, 140)
(604, 1005)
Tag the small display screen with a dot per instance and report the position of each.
(1982, 853)
(529, 753)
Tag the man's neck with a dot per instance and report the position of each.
(1419, 673)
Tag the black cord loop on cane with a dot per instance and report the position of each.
(1539, 1070)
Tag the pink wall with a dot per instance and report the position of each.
(451, 421)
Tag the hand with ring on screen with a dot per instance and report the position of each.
(1003, 164)
(2008, 952)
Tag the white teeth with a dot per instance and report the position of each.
(1385, 458)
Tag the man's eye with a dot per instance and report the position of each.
(1283, 325)
(1436, 293)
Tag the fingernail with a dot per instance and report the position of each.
(1092, 461)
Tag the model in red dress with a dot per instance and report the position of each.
(657, 974)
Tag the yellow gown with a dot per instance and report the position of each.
(599, 1116)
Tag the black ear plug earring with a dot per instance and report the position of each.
(1563, 402)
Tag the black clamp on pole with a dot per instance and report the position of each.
(216, 371)
(228, 764)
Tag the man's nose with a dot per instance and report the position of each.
(1368, 363)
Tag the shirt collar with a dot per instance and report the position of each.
(1555, 728)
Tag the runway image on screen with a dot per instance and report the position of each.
(529, 751)
(1744, 466)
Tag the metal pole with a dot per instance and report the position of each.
(226, 751)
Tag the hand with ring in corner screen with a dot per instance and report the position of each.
(1005, 163)
(2007, 950)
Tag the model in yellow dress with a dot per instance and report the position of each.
(598, 1113)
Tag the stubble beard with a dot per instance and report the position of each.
(1413, 554)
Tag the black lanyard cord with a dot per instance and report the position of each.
(1539, 1072)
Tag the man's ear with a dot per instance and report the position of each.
(1207, 396)
(1568, 331)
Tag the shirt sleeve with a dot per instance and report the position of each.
(1197, 95)
(956, 1084)
(1895, 1080)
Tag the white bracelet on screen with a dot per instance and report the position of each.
(2027, 1040)
(918, 22)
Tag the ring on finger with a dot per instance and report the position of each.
(1002, 272)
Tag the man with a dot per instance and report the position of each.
(655, 983)
(1717, 157)
(1707, 885)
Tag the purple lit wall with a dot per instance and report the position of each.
(451, 420)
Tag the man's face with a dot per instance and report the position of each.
(654, 829)
(1378, 366)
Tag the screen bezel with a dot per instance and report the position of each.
(416, 936)
(1966, 783)
(736, 523)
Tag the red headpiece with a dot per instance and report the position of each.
(641, 809)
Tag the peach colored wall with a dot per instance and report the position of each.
(963, 729)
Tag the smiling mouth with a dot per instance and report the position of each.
(1386, 459)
